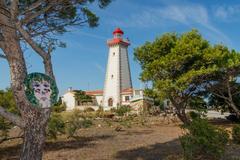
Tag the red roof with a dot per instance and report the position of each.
(117, 41)
(118, 30)
(100, 92)
(96, 92)
(127, 90)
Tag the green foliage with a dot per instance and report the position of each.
(236, 134)
(174, 63)
(56, 126)
(121, 110)
(55, 18)
(82, 97)
(89, 109)
(203, 141)
(4, 128)
(59, 108)
(156, 100)
(194, 115)
(76, 121)
(182, 66)
(197, 102)
(7, 101)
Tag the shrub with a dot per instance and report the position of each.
(194, 115)
(56, 126)
(100, 112)
(59, 108)
(236, 134)
(4, 128)
(122, 110)
(75, 121)
(89, 109)
(203, 141)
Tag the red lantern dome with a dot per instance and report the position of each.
(118, 30)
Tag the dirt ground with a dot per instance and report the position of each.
(152, 140)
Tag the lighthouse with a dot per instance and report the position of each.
(118, 76)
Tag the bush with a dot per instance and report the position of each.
(203, 141)
(89, 109)
(194, 115)
(75, 121)
(56, 126)
(59, 108)
(236, 134)
(122, 110)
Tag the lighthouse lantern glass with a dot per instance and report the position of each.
(117, 35)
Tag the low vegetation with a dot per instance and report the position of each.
(236, 134)
(203, 141)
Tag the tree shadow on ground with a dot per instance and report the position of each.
(232, 152)
(158, 151)
(13, 152)
(129, 133)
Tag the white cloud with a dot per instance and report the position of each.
(228, 13)
(192, 15)
(152, 16)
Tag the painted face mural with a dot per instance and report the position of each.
(40, 90)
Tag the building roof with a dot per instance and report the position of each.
(118, 30)
(115, 41)
(94, 92)
(100, 92)
(127, 90)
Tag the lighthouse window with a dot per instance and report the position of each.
(112, 76)
(113, 53)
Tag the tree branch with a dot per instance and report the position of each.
(33, 6)
(14, 9)
(220, 96)
(30, 41)
(45, 56)
(12, 117)
(30, 17)
(9, 138)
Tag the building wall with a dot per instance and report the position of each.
(137, 93)
(112, 79)
(123, 99)
(99, 99)
(125, 77)
(69, 100)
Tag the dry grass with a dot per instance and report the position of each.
(141, 138)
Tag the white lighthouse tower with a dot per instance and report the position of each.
(118, 77)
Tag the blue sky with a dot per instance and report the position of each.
(82, 64)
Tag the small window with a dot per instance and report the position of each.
(113, 53)
(126, 98)
(112, 76)
(110, 102)
(137, 93)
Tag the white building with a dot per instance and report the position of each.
(118, 84)
(127, 96)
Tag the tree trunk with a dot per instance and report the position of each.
(180, 108)
(235, 109)
(34, 120)
(34, 137)
(183, 117)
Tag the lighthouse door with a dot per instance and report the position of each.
(110, 102)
